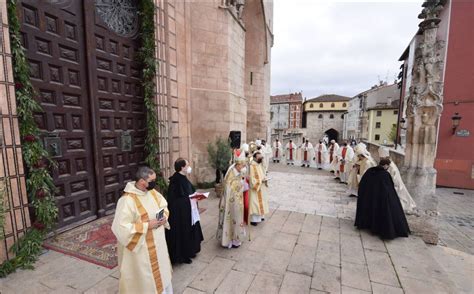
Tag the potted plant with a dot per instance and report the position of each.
(220, 155)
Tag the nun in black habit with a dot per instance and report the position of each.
(184, 238)
(378, 206)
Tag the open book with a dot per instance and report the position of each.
(199, 195)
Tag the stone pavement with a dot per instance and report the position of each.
(291, 252)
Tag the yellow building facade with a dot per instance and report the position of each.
(382, 120)
(326, 106)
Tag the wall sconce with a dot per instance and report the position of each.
(456, 118)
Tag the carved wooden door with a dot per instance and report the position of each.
(83, 59)
(53, 35)
(112, 46)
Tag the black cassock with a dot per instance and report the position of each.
(378, 206)
(183, 239)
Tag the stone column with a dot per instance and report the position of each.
(424, 107)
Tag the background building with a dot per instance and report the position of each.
(356, 120)
(383, 123)
(324, 115)
(286, 111)
(454, 159)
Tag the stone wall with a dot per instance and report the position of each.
(12, 176)
(316, 127)
(396, 156)
(257, 69)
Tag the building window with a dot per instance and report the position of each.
(377, 137)
(344, 104)
(311, 105)
(333, 105)
(377, 125)
(251, 78)
(321, 105)
(294, 114)
(320, 116)
(331, 116)
(379, 112)
(395, 112)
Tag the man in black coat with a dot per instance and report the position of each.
(184, 238)
(378, 206)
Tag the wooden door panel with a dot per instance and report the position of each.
(53, 34)
(117, 93)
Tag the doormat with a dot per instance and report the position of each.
(93, 242)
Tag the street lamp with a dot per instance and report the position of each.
(456, 118)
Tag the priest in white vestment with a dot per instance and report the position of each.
(406, 200)
(332, 154)
(361, 162)
(143, 260)
(258, 193)
(345, 155)
(320, 155)
(277, 151)
(231, 226)
(290, 153)
(306, 153)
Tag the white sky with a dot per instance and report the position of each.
(339, 47)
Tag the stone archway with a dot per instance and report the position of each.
(332, 134)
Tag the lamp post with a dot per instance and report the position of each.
(456, 118)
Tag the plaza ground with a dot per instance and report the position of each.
(308, 244)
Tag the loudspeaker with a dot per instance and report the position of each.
(234, 139)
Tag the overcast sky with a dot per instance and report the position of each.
(339, 47)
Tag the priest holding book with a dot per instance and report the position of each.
(185, 236)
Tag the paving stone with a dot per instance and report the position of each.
(235, 283)
(372, 242)
(79, 275)
(411, 285)
(276, 261)
(115, 273)
(184, 274)
(265, 283)
(302, 260)
(250, 262)
(328, 253)
(349, 290)
(209, 279)
(351, 249)
(284, 241)
(380, 268)
(330, 222)
(307, 239)
(347, 227)
(384, 289)
(311, 224)
(312, 291)
(355, 276)
(291, 227)
(326, 278)
(330, 234)
(261, 243)
(108, 285)
(192, 291)
(208, 251)
(295, 283)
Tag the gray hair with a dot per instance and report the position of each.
(143, 172)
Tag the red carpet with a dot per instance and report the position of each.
(93, 242)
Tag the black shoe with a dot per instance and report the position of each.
(303, 165)
(235, 246)
(253, 224)
(352, 195)
(319, 168)
(188, 261)
(337, 178)
(263, 219)
(307, 165)
(332, 171)
(287, 164)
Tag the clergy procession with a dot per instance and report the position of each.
(155, 233)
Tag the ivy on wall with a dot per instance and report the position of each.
(149, 64)
(39, 183)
